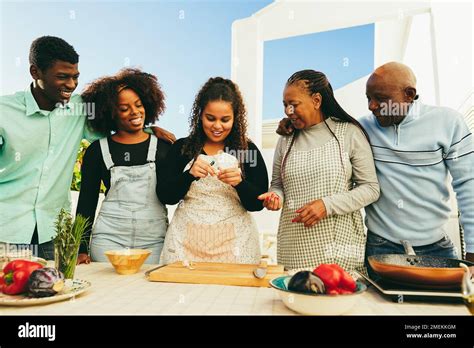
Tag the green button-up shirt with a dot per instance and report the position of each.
(38, 150)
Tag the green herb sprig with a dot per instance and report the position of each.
(69, 235)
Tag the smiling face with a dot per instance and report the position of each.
(390, 91)
(56, 83)
(302, 109)
(217, 120)
(387, 101)
(131, 112)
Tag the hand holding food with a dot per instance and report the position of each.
(231, 176)
(201, 168)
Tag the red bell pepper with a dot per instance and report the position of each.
(16, 275)
(347, 282)
(335, 279)
(330, 276)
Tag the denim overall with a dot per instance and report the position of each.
(131, 216)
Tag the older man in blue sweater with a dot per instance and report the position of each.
(415, 147)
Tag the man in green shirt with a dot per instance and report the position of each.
(40, 132)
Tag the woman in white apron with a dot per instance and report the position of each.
(131, 216)
(216, 174)
(323, 174)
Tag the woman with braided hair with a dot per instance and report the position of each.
(217, 173)
(323, 174)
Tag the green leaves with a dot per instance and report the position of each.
(69, 236)
(76, 175)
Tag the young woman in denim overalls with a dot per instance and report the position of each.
(131, 215)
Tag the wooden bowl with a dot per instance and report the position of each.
(127, 261)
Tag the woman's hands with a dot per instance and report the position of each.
(201, 168)
(83, 258)
(231, 176)
(311, 213)
(271, 200)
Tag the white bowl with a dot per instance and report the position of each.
(316, 304)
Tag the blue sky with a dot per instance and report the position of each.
(344, 55)
(182, 42)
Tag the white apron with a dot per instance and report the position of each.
(210, 224)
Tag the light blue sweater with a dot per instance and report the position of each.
(412, 161)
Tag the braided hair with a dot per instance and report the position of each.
(316, 82)
(217, 89)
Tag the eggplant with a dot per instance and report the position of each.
(306, 282)
(45, 282)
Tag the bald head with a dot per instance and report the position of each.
(395, 73)
(390, 91)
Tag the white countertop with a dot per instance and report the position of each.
(111, 294)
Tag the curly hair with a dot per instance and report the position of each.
(45, 50)
(215, 89)
(104, 91)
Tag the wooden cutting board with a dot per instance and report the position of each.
(213, 273)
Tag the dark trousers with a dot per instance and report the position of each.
(43, 250)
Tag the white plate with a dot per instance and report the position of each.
(72, 288)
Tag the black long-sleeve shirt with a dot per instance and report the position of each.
(173, 183)
(93, 171)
